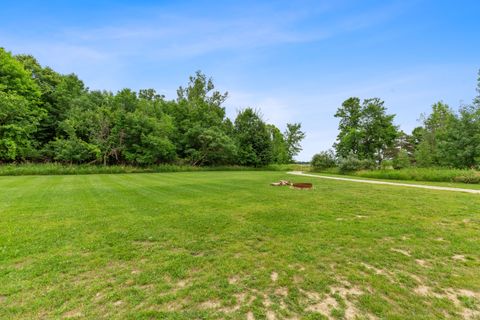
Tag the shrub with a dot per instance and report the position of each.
(368, 164)
(386, 165)
(350, 163)
(401, 160)
(75, 151)
(323, 160)
(470, 176)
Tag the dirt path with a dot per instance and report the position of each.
(300, 173)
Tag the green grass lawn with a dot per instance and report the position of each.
(226, 245)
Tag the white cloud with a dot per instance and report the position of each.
(166, 35)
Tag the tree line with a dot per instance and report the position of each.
(46, 116)
(368, 137)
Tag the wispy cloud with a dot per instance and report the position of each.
(169, 35)
(174, 36)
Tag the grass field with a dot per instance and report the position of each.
(226, 245)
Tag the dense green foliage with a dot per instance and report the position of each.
(352, 163)
(20, 169)
(366, 131)
(19, 112)
(448, 138)
(255, 146)
(323, 160)
(217, 245)
(46, 116)
(401, 160)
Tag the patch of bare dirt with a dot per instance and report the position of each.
(416, 278)
(174, 306)
(459, 257)
(468, 293)
(297, 279)
(210, 304)
(323, 306)
(267, 303)
(351, 311)
(470, 314)
(250, 315)
(453, 296)
(390, 276)
(422, 262)
(325, 303)
(118, 303)
(271, 315)
(98, 297)
(233, 279)
(347, 294)
(147, 287)
(274, 276)
(241, 297)
(72, 314)
(281, 291)
(297, 267)
(344, 292)
(182, 283)
(241, 300)
(375, 270)
(422, 290)
(404, 252)
(467, 313)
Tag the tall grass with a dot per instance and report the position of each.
(63, 169)
(423, 174)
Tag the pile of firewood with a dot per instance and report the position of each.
(281, 183)
(303, 185)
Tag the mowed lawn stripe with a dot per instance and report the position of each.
(14, 188)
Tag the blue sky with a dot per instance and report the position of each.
(295, 60)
